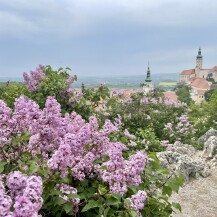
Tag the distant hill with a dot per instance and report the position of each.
(133, 81)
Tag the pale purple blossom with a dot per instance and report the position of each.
(137, 201)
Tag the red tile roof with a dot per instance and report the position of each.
(171, 95)
(188, 72)
(191, 79)
(200, 83)
(129, 92)
(201, 92)
(214, 69)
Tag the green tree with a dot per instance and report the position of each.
(209, 93)
(183, 93)
(10, 91)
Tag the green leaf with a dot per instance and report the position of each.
(180, 180)
(133, 189)
(90, 205)
(174, 184)
(117, 196)
(177, 206)
(105, 158)
(127, 203)
(59, 201)
(60, 69)
(54, 192)
(110, 200)
(155, 163)
(106, 211)
(66, 179)
(103, 168)
(102, 189)
(123, 140)
(167, 190)
(2, 166)
(133, 213)
(68, 207)
(33, 167)
(73, 196)
(26, 156)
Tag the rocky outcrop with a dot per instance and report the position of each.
(206, 136)
(210, 147)
(180, 162)
(181, 158)
(198, 197)
(185, 158)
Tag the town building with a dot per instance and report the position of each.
(199, 79)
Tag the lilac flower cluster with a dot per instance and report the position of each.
(119, 93)
(66, 190)
(44, 128)
(137, 201)
(169, 126)
(120, 173)
(5, 123)
(25, 195)
(170, 102)
(34, 79)
(167, 101)
(128, 135)
(25, 111)
(69, 143)
(183, 126)
(77, 96)
(80, 146)
(122, 96)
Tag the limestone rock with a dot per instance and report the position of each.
(206, 136)
(180, 159)
(213, 162)
(184, 148)
(210, 147)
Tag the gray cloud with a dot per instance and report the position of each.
(106, 37)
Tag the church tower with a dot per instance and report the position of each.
(147, 86)
(148, 76)
(199, 60)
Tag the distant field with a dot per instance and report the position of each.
(165, 83)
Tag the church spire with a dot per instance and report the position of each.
(199, 53)
(199, 59)
(148, 76)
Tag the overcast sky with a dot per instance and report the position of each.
(106, 37)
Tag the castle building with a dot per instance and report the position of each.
(199, 79)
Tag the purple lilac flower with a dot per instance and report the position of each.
(66, 190)
(25, 195)
(34, 79)
(137, 201)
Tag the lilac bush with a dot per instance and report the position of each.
(23, 197)
(65, 143)
(55, 138)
